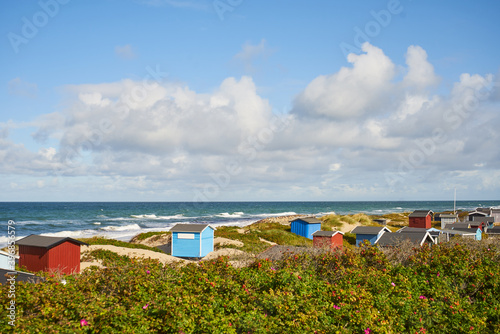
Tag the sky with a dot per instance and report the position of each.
(238, 100)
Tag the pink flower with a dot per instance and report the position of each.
(336, 307)
(147, 271)
(84, 322)
(422, 297)
(392, 283)
(145, 306)
(438, 274)
(368, 331)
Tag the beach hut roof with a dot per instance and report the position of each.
(325, 233)
(45, 242)
(420, 213)
(448, 215)
(457, 225)
(369, 229)
(393, 239)
(459, 232)
(493, 230)
(191, 228)
(309, 220)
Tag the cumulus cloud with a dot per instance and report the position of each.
(359, 131)
(351, 92)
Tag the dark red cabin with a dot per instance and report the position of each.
(421, 218)
(39, 253)
(330, 240)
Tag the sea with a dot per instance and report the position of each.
(124, 220)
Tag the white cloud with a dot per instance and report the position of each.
(351, 92)
(420, 71)
(346, 131)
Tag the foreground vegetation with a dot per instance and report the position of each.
(451, 288)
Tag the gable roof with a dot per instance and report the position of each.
(326, 233)
(457, 225)
(476, 212)
(483, 219)
(369, 229)
(393, 239)
(469, 230)
(191, 228)
(459, 232)
(420, 213)
(46, 242)
(309, 220)
(448, 215)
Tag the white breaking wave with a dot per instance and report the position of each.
(131, 227)
(153, 216)
(229, 215)
(291, 213)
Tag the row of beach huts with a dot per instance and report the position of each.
(42, 253)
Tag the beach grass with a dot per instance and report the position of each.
(118, 243)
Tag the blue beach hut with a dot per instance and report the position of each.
(370, 233)
(305, 227)
(192, 240)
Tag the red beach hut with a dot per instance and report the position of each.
(330, 240)
(421, 218)
(39, 253)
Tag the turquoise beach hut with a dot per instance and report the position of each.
(192, 240)
(305, 227)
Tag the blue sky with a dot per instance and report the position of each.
(166, 100)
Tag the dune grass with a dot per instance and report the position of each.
(118, 243)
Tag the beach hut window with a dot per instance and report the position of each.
(185, 236)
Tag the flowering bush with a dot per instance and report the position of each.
(450, 288)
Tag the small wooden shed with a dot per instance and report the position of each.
(40, 253)
(192, 240)
(370, 233)
(305, 227)
(330, 240)
(421, 218)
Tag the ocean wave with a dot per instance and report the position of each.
(131, 227)
(71, 234)
(230, 215)
(153, 216)
(326, 213)
(291, 213)
(97, 223)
